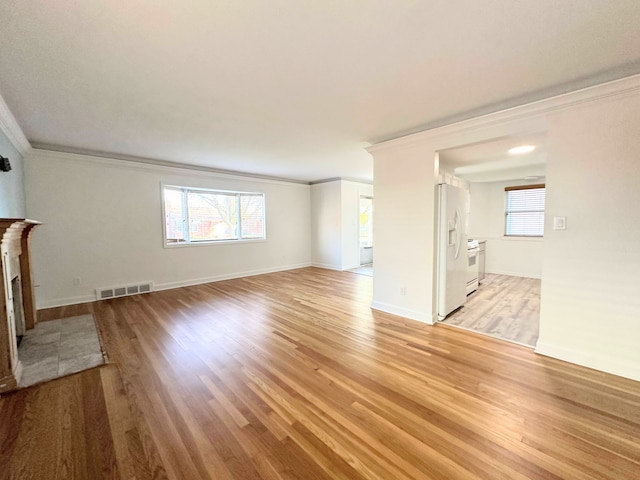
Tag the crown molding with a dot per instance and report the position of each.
(355, 180)
(621, 88)
(105, 158)
(152, 165)
(341, 179)
(326, 180)
(12, 130)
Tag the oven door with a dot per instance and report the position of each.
(472, 270)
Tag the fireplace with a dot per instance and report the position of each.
(18, 311)
(17, 301)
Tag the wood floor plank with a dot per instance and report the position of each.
(291, 375)
(120, 420)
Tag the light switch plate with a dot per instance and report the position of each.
(559, 223)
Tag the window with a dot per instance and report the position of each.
(194, 215)
(524, 213)
(366, 222)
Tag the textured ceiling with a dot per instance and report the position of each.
(288, 88)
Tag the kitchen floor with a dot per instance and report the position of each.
(366, 269)
(505, 307)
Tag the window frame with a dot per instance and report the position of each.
(506, 212)
(190, 243)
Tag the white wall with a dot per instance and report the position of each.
(103, 223)
(12, 202)
(326, 225)
(590, 302)
(335, 223)
(518, 256)
(590, 310)
(403, 231)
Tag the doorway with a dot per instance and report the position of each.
(506, 302)
(365, 236)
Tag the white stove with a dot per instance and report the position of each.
(473, 249)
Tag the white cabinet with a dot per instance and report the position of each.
(481, 259)
(366, 255)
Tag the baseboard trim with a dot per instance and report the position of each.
(327, 266)
(229, 276)
(514, 274)
(62, 302)
(350, 267)
(402, 312)
(590, 360)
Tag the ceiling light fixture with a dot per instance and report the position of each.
(519, 150)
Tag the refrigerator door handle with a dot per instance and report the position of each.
(457, 228)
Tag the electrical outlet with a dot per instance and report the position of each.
(76, 280)
(403, 291)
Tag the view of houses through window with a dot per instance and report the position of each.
(198, 215)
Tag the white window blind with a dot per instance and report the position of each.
(524, 213)
(208, 216)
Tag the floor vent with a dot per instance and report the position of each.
(113, 292)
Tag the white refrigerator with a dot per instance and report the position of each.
(452, 262)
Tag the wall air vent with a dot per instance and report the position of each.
(105, 293)
(124, 291)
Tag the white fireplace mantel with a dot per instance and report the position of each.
(17, 301)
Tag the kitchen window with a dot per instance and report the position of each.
(201, 216)
(524, 212)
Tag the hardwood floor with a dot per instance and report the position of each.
(292, 376)
(504, 307)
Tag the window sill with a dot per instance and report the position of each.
(509, 238)
(214, 242)
(521, 238)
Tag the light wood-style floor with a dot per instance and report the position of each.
(292, 376)
(363, 270)
(504, 307)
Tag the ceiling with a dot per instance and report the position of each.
(292, 88)
(491, 161)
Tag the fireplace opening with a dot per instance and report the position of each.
(18, 310)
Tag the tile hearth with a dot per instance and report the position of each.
(59, 347)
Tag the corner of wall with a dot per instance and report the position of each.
(402, 312)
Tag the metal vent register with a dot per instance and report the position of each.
(113, 292)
